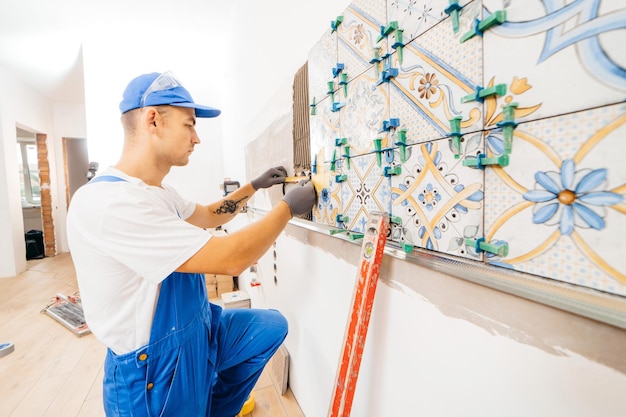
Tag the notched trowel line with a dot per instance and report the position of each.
(320, 177)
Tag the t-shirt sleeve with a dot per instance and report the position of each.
(185, 207)
(150, 237)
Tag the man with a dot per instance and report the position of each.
(141, 251)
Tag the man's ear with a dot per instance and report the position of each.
(151, 118)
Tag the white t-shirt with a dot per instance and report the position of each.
(126, 237)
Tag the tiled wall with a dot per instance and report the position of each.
(502, 143)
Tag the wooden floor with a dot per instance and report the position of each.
(54, 373)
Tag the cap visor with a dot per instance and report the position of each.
(201, 111)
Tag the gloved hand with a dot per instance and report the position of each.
(301, 198)
(270, 177)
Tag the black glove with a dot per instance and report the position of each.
(270, 177)
(301, 198)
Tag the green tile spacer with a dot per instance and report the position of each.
(388, 171)
(341, 178)
(340, 141)
(455, 135)
(496, 18)
(386, 30)
(376, 60)
(331, 90)
(378, 149)
(343, 82)
(398, 45)
(355, 235)
(401, 144)
(508, 125)
(501, 249)
(480, 93)
(342, 218)
(313, 107)
(502, 160)
(346, 155)
(407, 247)
(334, 24)
(396, 220)
(453, 11)
(333, 161)
(337, 231)
(481, 161)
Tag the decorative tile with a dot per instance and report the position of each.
(329, 198)
(439, 200)
(366, 108)
(324, 125)
(366, 189)
(415, 17)
(357, 40)
(560, 203)
(556, 57)
(437, 71)
(322, 59)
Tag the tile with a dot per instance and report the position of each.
(357, 35)
(556, 57)
(415, 17)
(365, 190)
(436, 72)
(321, 60)
(324, 128)
(560, 203)
(329, 198)
(366, 108)
(439, 200)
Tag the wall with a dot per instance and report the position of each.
(19, 106)
(437, 345)
(196, 68)
(22, 106)
(69, 121)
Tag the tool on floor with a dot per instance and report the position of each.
(6, 348)
(69, 312)
(372, 250)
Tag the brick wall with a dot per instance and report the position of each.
(46, 200)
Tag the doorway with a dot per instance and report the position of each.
(76, 161)
(30, 193)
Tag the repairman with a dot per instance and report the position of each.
(141, 252)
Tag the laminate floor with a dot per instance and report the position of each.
(52, 372)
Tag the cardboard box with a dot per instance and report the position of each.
(236, 299)
(211, 285)
(224, 278)
(223, 287)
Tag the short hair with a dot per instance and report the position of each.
(129, 119)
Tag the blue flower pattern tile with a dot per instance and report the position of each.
(557, 196)
(439, 200)
(560, 203)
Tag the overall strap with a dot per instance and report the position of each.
(106, 178)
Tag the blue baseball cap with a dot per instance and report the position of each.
(159, 89)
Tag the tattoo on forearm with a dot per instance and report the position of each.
(229, 206)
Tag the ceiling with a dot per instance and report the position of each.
(40, 40)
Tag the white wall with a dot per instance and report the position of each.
(69, 122)
(189, 58)
(438, 345)
(20, 106)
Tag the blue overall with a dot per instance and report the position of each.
(200, 361)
